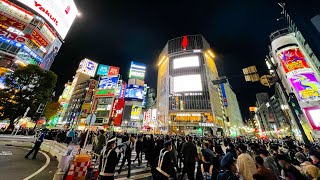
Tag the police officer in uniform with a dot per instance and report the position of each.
(37, 144)
(108, 160)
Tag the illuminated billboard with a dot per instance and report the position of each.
(136, 112)
(306, 86)
(103, 70)
(313, 115)
(187, 83)
(292, 59)
(16, 12)
(137, 70)
(51, 55)
(191, 61)
(108, 82)
(59, 13)
(88, 67)
(134, 92)
(118, 114)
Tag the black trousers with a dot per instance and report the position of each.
(129, 164)
(189, 169)
(106, 177)
(35, 148)
(138, 157)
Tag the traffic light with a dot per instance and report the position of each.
(40, 108)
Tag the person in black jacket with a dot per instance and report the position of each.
(138, 151)
(128, 146)
(108, 160)
(166, 164)
(189, 152)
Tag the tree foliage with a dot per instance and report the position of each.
(51, 109)
(26, 87)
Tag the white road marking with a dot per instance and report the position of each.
(6, 153)
(42, 168)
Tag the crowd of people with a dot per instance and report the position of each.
(201, 158)
(212, 158)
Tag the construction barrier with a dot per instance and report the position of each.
(81, 163)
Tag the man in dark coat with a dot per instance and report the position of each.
(189, 152)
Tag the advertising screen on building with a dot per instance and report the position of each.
(292, 59)
(313, 115)
(136, 112)
(113, 71)
(137, 70)
(108, 82)
(51, 55)
(118, 113)
(306, 86)
(134, 92)
(103, 70)
(187, 83)
(191, 61)
(88, 67)
(59, 13)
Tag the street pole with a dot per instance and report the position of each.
(287, 99)
(90, 121)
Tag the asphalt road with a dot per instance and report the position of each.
(15, 167)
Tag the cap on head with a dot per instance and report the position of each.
(227, 160)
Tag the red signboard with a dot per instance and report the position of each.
(119, 111)
(113, 71)
(292, 59)
(12, 36)
(114, 109)
(39, 38)
(12, 23)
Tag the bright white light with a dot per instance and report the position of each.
(187, 83)
(79, 14)
(315, 114)
(268, 104)
(197, 50)
(191, 61)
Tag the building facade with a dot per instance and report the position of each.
(32, 32)
(298, 69)
(187, 102)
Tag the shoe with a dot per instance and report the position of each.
(34, 158)
(119, 171)
(128, 176)
(26, 157)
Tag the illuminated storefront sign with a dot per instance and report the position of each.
(66, 91)
(292, 59)
(15, 11)
(12, 35)
(105, 93)
(306, 86)
(224, 96)
(119, 111)
(88, 67)
(39, 38)
(207, 124)
(137, 70)
(10, 22)
(59, 13)
(47, 33)
(122, 90)
(313, 114)
(113, 71)
(103, 70)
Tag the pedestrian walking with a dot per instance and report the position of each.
(70, 136)
(37, 144)
(166, 164)
(245, 163)
(229, 172)
(127, 150)
(138, 151)
(189, 152)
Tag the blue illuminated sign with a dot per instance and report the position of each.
(224, 95)
(22, 46)
(90, 66)
(108, 82)
(134, 92)
(103, 70)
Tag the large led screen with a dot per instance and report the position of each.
(306, 86)
(313, 115)
(59, 13)
(292, 59)
(108, 82)
(187, 83)
(134, 92)
(191, 61)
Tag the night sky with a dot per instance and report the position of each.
(117, 32)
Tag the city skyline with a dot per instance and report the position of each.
(235, 44)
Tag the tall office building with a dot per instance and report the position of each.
(187, 102)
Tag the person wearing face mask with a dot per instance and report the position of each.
(108, 160)
(289, 172)
(229, 165)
